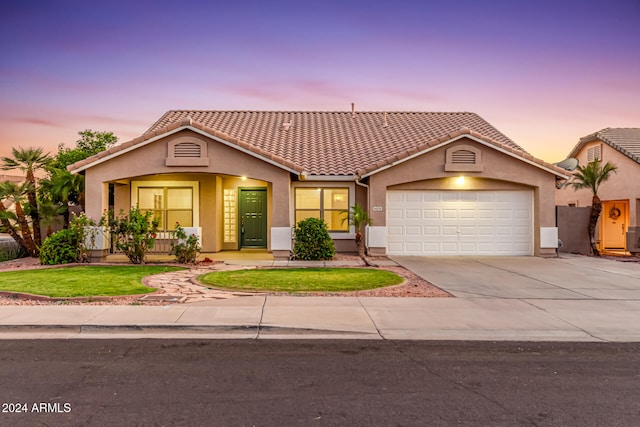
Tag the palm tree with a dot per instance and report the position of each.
(591, 176)
(29, 160)
(16, 193)
(357, 217)
(6, 217)
(63, 188)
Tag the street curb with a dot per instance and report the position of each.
(199, 329)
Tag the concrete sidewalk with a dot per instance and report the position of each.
(509, 298)
(269, 317)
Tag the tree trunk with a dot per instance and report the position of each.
(33, 209)
(596, 208)
(30, 245)
(360, 244)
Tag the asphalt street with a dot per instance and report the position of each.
(346, 383)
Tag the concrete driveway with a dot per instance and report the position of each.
(569, 277)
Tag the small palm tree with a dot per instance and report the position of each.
(357, 217)
(16, 194)
(63, 188)
(591, 176)
(29, 160)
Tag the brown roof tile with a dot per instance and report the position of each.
(330, 143)
(625, 140)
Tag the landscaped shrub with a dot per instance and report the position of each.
(68, 245)
(312, 240)
(134, 233)
(60, 248)
(187, 248)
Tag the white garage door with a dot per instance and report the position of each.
(460, 222)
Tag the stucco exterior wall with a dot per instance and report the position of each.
(500, 172)
(623, 185)
(225, 167)
(150, 160)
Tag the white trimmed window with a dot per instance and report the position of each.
(327, 203)
(170, 201)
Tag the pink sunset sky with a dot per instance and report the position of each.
(545, 73)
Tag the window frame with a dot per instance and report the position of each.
(322, 208)
(165, 185)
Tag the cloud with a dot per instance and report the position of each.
(37, 121)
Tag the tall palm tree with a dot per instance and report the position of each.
(16, 193)
(591, 176)
(29, 160)
(357, 217)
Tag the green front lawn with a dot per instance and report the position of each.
(85, 281)
(301, 279)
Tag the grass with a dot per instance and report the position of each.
(85, 281)
(301, 279)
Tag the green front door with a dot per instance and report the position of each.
(253, 218)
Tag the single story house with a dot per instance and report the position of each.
(619, 224)
(433, 183)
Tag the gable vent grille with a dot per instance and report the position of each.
(186, 149)
(463, 157)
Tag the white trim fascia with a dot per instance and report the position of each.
(500, 149)
(337, 178)
(171, 132)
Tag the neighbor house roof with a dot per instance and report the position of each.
(625, 140)
(329, 143)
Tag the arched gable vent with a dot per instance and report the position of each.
(463, 158)
(187, 149)
(187, 152)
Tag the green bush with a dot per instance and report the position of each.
(187, 248)
(68, 245)
(61, 247)
(312, 240)
(134, 233)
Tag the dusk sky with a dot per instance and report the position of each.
(545, 73)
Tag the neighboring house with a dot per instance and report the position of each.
(433, 183)
(619, 224)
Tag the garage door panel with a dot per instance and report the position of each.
(430, 213)
(430, 230)
(449, 230)
(395, 213)
(395, 230)
(413, 197)
(413, 213)
(450, 214)
(460, 222)
(395, 197)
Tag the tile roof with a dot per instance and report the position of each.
(625, 140)
(336, 143)
(329, 143)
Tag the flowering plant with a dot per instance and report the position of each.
(187, 248)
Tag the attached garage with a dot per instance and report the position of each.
(460, 222)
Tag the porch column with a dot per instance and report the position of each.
(280, 233)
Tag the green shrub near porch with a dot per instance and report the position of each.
(312, 240)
